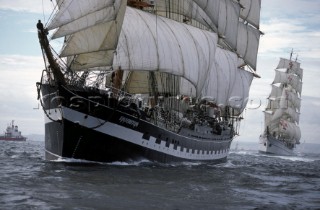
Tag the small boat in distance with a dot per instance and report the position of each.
(12, 133)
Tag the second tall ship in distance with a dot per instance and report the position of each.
(282, 132)
(158, 80)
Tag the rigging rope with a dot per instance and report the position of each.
(75, 149)
(45, 112)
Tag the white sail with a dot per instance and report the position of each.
(226, 84)
(70, 10)
(88, 23)
(106, 14)
(292, 66)
(294, 100)
(289, 112)
(238, 34)
(293, 114)
(275, 91)
(290, 130)
(267, 118)
(283, 98)
(286, 64)
(220, 76)
(248, 43)
(239, 94)
(94, 41)
(284, 102)
(292, 79)
(183, 48)
(227, 18)
(297, 71)
(250, 11)
(286, 107)
(290, 99)
(188, 10)
(187, 88)
(100, 34)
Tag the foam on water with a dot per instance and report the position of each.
(130, 163)
(297, 158)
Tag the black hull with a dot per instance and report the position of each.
(94, 146)
(102, 131)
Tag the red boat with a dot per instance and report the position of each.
(12, 133)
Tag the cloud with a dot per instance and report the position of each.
(283, 35)
(18, 95)
(290, 24)
(17, 72)
(289, 8)
(310, 119)
(43, 6)
(20, 62)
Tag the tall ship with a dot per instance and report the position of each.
(12, 133)
(282, 132)
(163, 80)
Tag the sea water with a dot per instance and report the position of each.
(248, 180)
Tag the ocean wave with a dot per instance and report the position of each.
(297, 158)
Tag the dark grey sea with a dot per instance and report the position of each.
(248, 180)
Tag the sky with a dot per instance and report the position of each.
(286, 24)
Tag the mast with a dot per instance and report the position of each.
(45, 47)
(139, 4)
(290, 63)
(154, 87)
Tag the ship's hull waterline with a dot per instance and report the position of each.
(3, 138)
(271, 145)
(101, 131)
